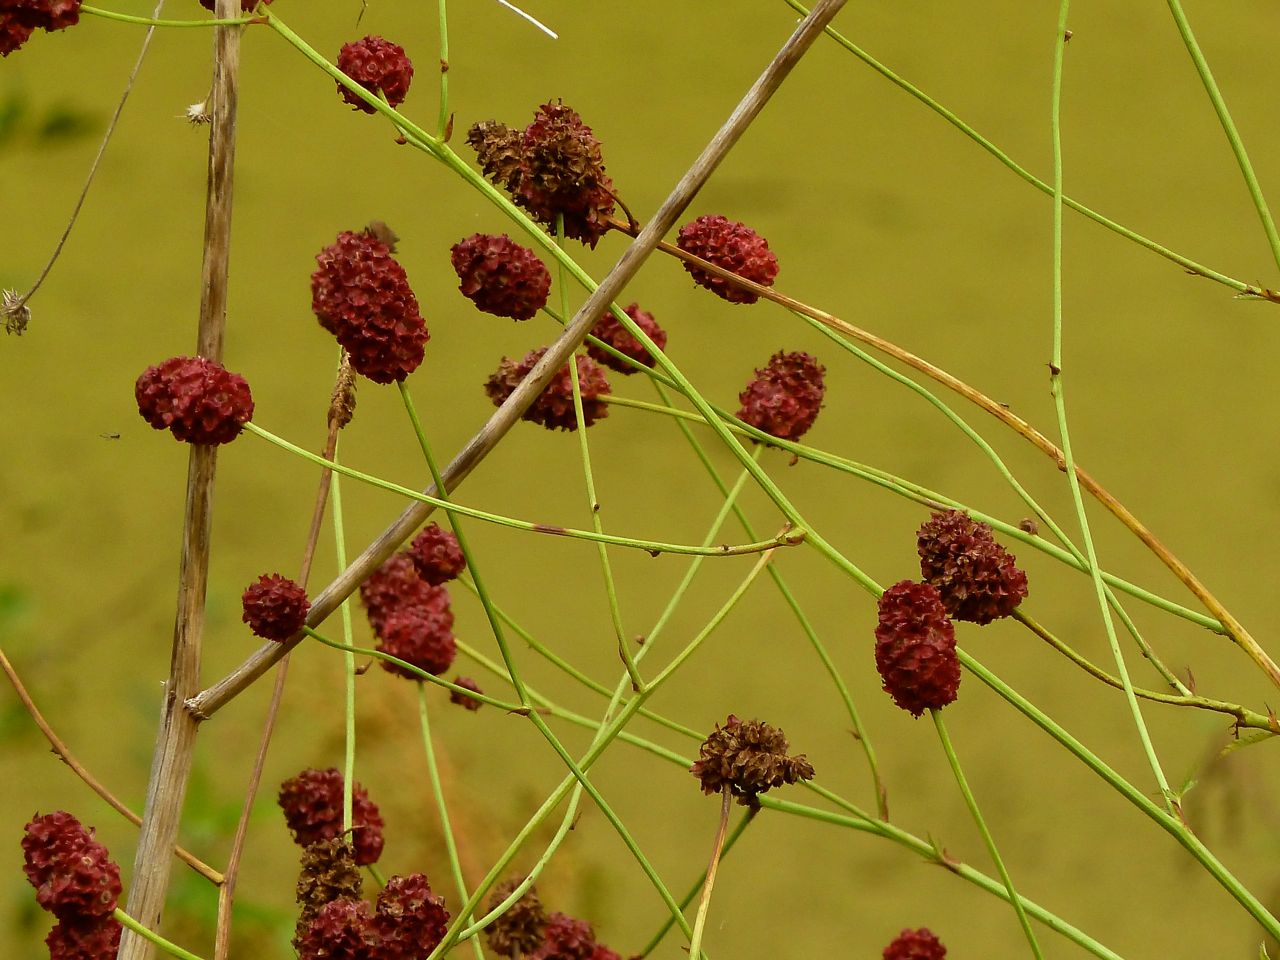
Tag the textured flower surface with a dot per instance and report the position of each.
(567, 938)
(312, 805)
(461, 699)
(916, 648)
(195, 399)
(731, 246)
(361, 294)
(417, 635)
(396, 586)
(978, 579)
(747, 758)
(784, 398)
(609, 330)
(554, 406)
(501, 277)
(340, 931)
(74, 876)
(436, 555)
(518, 931)
(410, 920)
(275, 607)
(84, 938)
(328, 873)
(915, 945)
(379, 66)
(20, 18)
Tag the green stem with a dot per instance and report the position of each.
(442, 122)
(167, 946)
(151, 22)
(348, 657)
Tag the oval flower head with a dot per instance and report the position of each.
(916, 648)
(730, 246)
(784, 398)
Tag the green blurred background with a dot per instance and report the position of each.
(879, 212)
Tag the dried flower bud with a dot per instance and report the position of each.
(461, 699)
(610, 331)
(410, 920)
(20, 18)
(379, 66)
(84, 938)
(977, 578)
(501, 277)
(74, 876)
(916, 648)
(395, 586)
(731, 246)
(915, 945)
(417, 636)
(329, 873)
(784, 398)
(312, 805)
(198, 114)
(275, 607)
(747, 759)
(342, 930)
(16, 313)
(342, 402)
(195, 399)
(436, 555)
(518, 931)
(554, 406)
(499, 149)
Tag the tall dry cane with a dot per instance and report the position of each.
(175, 742)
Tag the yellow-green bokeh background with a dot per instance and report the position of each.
(879, 212)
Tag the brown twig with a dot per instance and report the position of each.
(1234, 628)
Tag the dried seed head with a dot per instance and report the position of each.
(747, 759)
(461, 699)
(312, 805)
(195, 399)
(74, 876)
(554, 407)
(916, 648)
(784, 398)
(410, 920)
(610, 331)
(501, 277)
(84, 938)
(16, 313)
(436, 555)
(519, 930)
(342, 930)
(499, 149)
(275, 607)
(329, 873)
(396, 586)
(731, 246)
(977, 578)
(915, 945)
(20, 18)
(342, 402)
(379, 66)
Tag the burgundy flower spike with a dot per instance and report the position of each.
(610, 331)
(977, 578)
(275, 607)
(379, 66)
(195, 399)
(916, 648)
(731, 246)
(784, 398)
(501, 277)
(554, 407)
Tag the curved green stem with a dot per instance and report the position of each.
(348, 657)
(168, 946)
(442, 121)
(152, 22)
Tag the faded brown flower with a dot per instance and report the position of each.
(747, 758)
(329, 873)
(519, 930)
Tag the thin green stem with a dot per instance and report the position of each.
(348, 657)
(152, 22)
(442, 121)
(700, 921)
(168, 946)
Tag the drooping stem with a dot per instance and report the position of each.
(700, 921)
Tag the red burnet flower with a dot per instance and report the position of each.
(554, 406)
(436, 555)
(461, 699)
(916, 648)
(20, 18)
(915, 945)
(275, 607)
(784, 398)
(395, 586)
(567, 938)
(410, 919)
(196, 399)
(609, 330)
(84, 938)
(245, 5)
(501, 277)
(379, 66)
(978, 578)
(312, 805)
(342, 930)
(731, 246)
(361, 295)
(74, 875)
(417, 635)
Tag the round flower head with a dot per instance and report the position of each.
(275, 608)
(461, 699)
(20, 18)
(419, 637)
(610, 331)
(915, 945)
(565, 938)
(312, 805)
(410, 920)
(554, 406)
(74, 876)
(518, 931)
(328, 873)
(501, 277)
(195, 399)
(84, 938)
(784, 398)
(731, 246)
(977, 578)
(747, 759)
(342, 930)
(361, 295)
(379, 66)
(436, 555)
(396, 586)
(916, 648)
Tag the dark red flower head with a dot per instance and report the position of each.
(417, 635)
(500, 276)
(195, 399)
(916, 648)
(379, 66)
(747, 759)
(84, 938)
(554, 407)
(20, 18)
(731, 246)
(610, 331)
(361, 295)
(396, 586)
(312, 805)
(74, 876)
(342, 930)
(784, 398)
(461, 699)
(915, 945)
(977, 578)
(566, 938)
(275, 607)
(410, 920)
(436, 555)
(245, 5)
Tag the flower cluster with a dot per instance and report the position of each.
(915, 945)
(412, 619)
(407, 924)
(553, 167)
(436, 555)
(379, 66)
(609, 330)
(978, 579)
(195, 399)
(784, 398)
(75, 880)
(916, 648)
(461, 699)
(567, 938)
(312, 805)
(554, 406)
(731, 246)
(747, 759)
(275, 607)
(361, 295)
(501, 277)
(21, 18)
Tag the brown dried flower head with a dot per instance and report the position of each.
(915, 945)
(978, 578)
(329, 873)
(554, 406)
(610, 331)
(916, 648)
(342, 402)
(16, 313)
(519, 930)
(747, 758)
